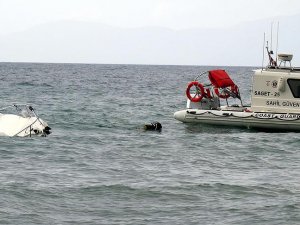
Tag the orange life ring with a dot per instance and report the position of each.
(199, 94)
(225, 95)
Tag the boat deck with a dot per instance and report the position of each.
(288, 69)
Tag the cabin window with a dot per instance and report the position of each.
(294, 85)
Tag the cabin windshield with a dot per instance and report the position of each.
(294, 85)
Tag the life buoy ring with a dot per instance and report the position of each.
(199, 94)
(233, 89)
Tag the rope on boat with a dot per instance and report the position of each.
(274, 116)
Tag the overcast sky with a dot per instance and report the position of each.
(16, 15)
(49, 31)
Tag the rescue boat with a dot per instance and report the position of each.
(275, 98)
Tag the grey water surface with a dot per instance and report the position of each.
(99, 166)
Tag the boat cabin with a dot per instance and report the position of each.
(276, 88)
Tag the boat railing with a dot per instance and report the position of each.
(200, 75)
(289, 69)
(23, 110)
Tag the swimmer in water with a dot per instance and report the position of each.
(156, 126)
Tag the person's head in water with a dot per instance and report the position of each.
(153, 126)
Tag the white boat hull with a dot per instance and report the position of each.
(24, 123)
(260, 120)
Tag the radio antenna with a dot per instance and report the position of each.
(263, 58)
(271, 46)
(277, 41)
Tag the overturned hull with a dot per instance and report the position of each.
(22, 124)
(14, 125)
(257, 120)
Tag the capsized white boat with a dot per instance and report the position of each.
(25, 122)
(275, 99)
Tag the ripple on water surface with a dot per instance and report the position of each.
(99, 167)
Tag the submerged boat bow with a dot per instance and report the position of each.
(25, 122)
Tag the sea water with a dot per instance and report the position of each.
(100, 167)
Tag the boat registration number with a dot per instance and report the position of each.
(267, 93)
